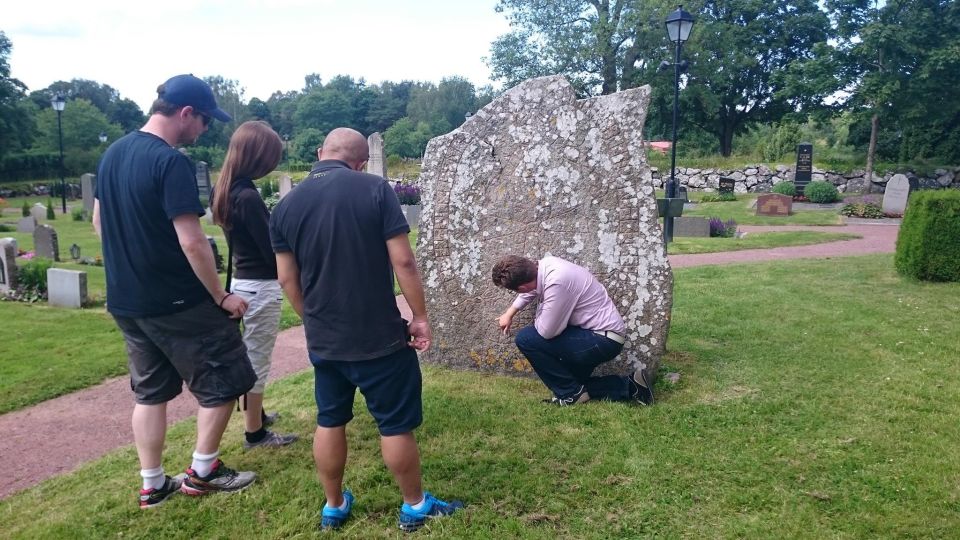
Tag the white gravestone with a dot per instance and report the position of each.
(66, 288)
(39, 212)
(377, 163)
(895, 195)
(8, 264)
(286, 184)
(27, 224)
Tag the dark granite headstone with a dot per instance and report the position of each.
(727, 184)
(88, 185)
(203, 180)
(45, 243)
(774, 204)
(697, 227)
(682, 194)
(216, 253)
(804, 171)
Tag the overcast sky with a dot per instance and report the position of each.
(266, 45)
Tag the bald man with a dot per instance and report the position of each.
(337, 236)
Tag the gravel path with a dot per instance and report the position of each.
(58, 435)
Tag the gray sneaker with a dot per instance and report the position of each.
(221, 478)
(271, 440)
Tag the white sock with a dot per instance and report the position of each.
(153, 478)
(203, 463)
(342, 506)
(422, 505)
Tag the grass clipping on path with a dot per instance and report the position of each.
(817, 399)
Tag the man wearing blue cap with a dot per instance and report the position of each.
(164, 292)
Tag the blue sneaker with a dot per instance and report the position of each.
(334, 518)
(411, 520)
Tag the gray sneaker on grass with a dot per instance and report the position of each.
(221, 478)
(271, 440)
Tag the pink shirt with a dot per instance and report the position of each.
(569, 296)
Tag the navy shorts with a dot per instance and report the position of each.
(390, 385)
(201, 346)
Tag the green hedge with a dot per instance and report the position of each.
(928, 246)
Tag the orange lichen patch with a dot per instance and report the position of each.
(505, 361)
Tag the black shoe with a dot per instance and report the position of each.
(151, 498)
(570, 400)
(641, 390)
(268, 419)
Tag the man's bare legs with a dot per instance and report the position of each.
(211, 423)
(149, 432)
(330, 456)
(402, 457)
(253, 416)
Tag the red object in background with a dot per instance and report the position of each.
(659, 146)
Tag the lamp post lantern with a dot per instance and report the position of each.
(103, 137)
(59, 102)
(678, 24)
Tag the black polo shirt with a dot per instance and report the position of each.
(337, 223)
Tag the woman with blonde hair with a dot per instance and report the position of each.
(255, 150)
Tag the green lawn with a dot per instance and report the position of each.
(818, 399)
(743, 214)
(683, 245)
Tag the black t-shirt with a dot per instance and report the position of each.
(142, 184)
(249, 232)
(337, 223)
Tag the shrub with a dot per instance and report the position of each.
(25, 209)
(7, 228)
(785, 188)
(821, 192)
(719, 228)
(928, 246)
(32, 277)
(271, 201)
(408, 194)
(79, 214)
(718, 197)
(862, 210)
(51, 215)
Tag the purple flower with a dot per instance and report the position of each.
(408, 194)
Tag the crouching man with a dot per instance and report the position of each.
(576, 328)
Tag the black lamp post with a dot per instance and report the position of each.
(678, 24)
(59, 103)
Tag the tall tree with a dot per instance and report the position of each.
(16, 124)
(589, 41)
(737, 49)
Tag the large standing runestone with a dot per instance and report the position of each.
(535, 173)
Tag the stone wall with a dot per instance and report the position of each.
(761, 178)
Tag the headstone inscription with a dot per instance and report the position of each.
(804, 170)
(45, 242)
(774, 204)
(88, 185)
(8, 264)
(66, 288)
(895, 195)
(697, 227)
(726, 184)
(537, 172)
(27, 224)
(377, 163)
(203, 180)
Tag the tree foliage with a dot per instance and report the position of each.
(16, 126)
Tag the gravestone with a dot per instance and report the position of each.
(203, 180)
(804, 170)
(66, 288)
(682, 194)
(27, 224)
(286, 184)
(726, 185)
(8, 264)
(45, 243)
(895, 195)
(774, 204)
(537, 172)
(696, 227)
(377, 164)
(88, 185)
(39, 212)
(12, 240)
(216, 254)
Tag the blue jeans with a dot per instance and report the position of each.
(566, 362)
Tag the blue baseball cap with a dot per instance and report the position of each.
(187, 90)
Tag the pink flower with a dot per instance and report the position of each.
(28, 255)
